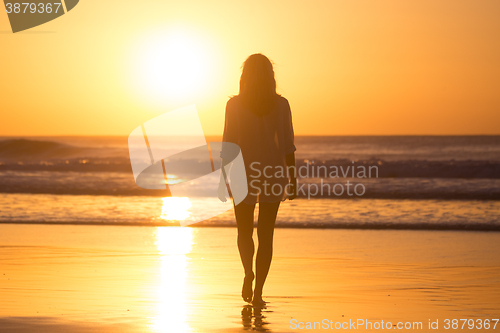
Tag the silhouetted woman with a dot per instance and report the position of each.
(259, 121)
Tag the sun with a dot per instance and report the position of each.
(171, 66)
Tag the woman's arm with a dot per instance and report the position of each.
(230, 135)
(221, 192)
(292, 171)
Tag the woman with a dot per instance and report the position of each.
(259, 121)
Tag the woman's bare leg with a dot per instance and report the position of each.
(244, 220)
(265, 232)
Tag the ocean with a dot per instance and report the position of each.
(354, 182)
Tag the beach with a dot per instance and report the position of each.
(84, 249)
(180, 279)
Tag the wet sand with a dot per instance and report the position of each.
(57, 278)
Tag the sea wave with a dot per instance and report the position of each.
(34, 152)
(375, 214)
(22, 148)
(120, 183)
(102, 166)
(284, 225)
(379, 168)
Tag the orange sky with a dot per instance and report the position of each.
(348, 67)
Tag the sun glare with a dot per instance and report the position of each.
(171, 66)
(175, 208)
(173, 244)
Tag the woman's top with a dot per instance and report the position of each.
(264, 141)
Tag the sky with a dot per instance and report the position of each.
(350, 67)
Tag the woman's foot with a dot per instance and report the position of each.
(247, 292)
(258, 302)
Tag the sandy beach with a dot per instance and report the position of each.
(172, 279)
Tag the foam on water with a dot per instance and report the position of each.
(301, 213)
(426, 182)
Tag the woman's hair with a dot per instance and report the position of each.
(258, 85)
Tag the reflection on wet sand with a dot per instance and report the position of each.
(253, 319)
(173, 243)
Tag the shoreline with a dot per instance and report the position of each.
(402, 227)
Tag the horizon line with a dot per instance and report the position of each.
(218, 135)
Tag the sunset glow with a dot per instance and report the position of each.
(175, 209)
(170, 66)
(347, 68)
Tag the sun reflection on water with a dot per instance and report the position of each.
(173, 243)
(175, 208)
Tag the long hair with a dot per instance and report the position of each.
(258, 85)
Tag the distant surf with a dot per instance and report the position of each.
(462, 167)
(417, 183)
(35, 149)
